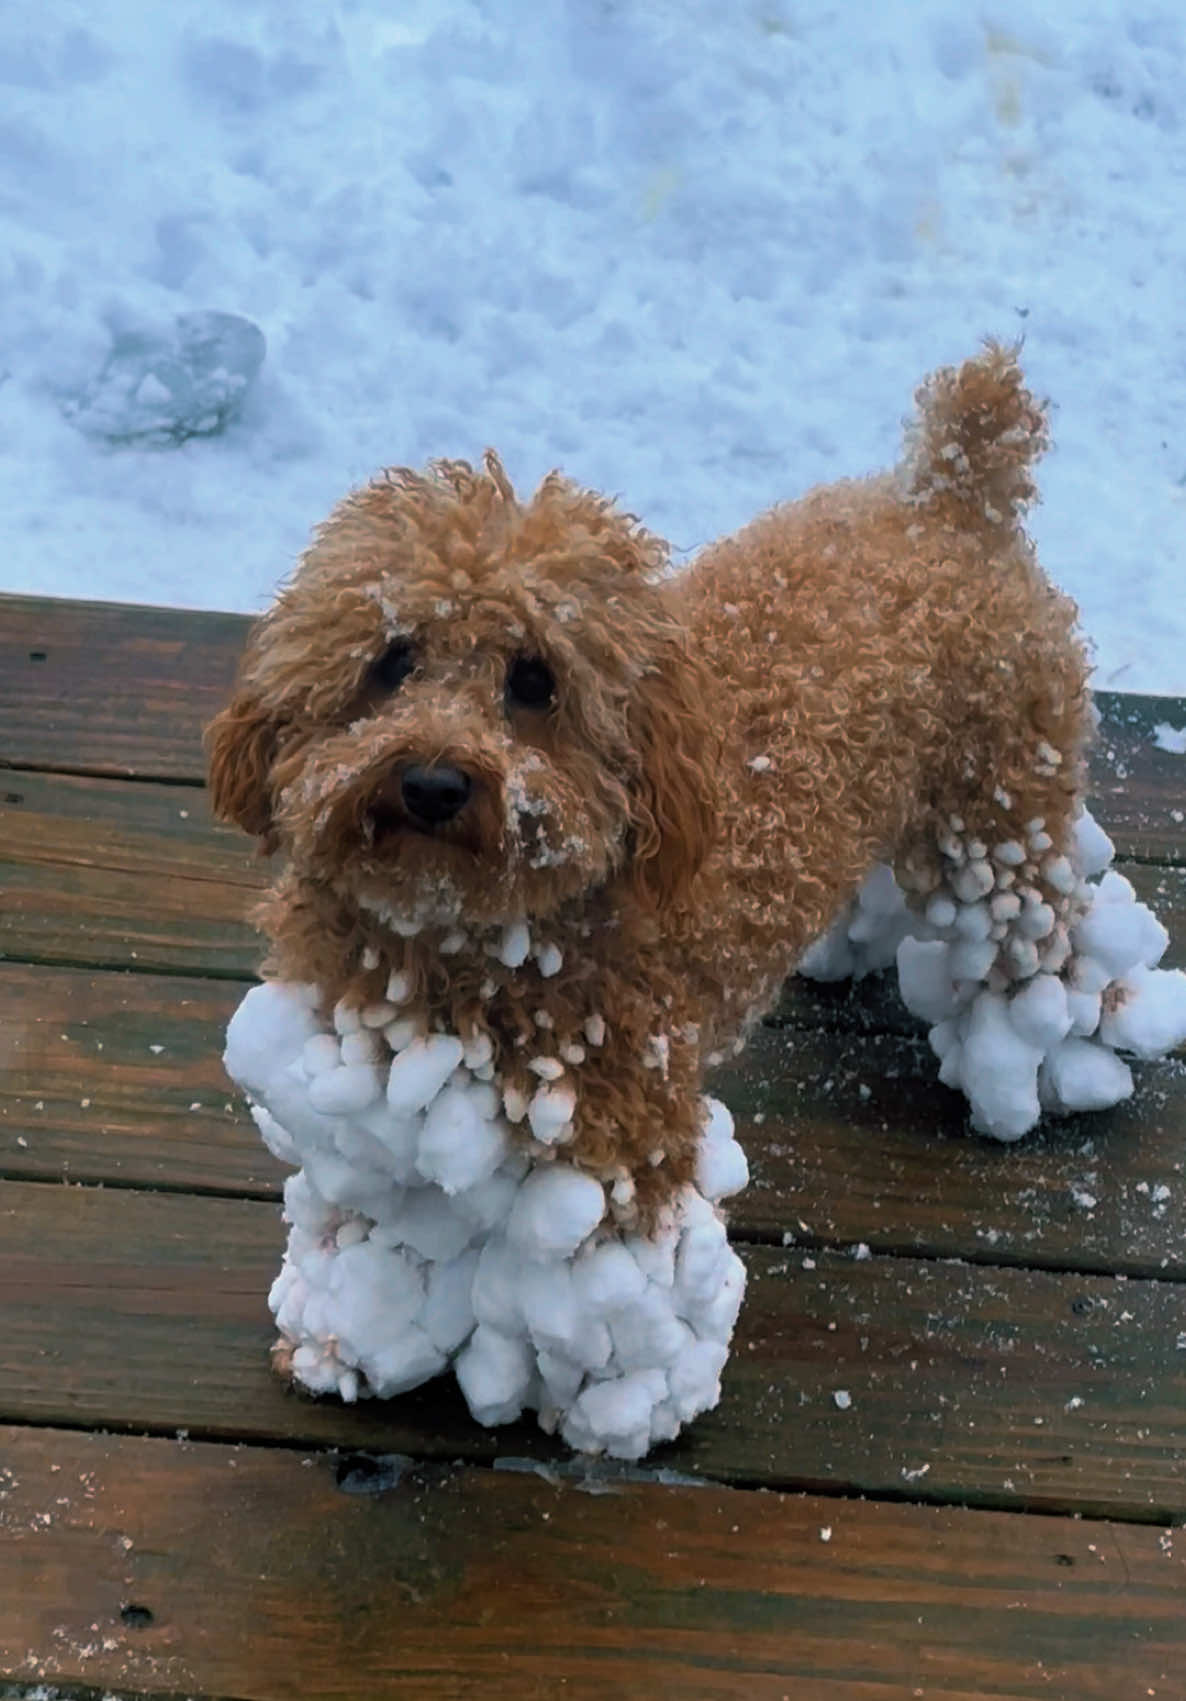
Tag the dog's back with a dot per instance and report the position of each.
(880, 644)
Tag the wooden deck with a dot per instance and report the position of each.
(992, 1511)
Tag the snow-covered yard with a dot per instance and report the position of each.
(696, 254)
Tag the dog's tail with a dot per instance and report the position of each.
(971, 449)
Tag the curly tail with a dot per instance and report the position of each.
(970, 452)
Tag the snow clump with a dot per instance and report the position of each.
(1047, 1034)
(423, 1237)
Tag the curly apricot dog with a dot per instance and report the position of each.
(570, 797)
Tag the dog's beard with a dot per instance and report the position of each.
(516, 850)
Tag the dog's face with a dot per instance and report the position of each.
(467, 709)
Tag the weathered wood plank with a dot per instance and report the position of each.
(110, 688)
(853, 1139)
(117, 1078)
(1138, 789)
(124, 874)
(256, 1576)
(1003, 1387)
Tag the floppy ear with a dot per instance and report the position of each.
(241, 744)
(674, 815)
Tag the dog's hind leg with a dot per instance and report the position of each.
(1032, 975)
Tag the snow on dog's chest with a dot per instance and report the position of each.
(423, 1233)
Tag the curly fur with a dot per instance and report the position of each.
(728, 751)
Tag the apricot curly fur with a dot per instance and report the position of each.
(728, 751)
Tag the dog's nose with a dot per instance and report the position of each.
(434, 795)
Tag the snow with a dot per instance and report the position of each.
(460, 1146)
(515, 946)
(421, 1070)
(1077, 1075)
(1118, 932)
(698, 255)
(1038, 1011)
(339, 1091)
(420, 1237)
(1048, 1039)
(1146, 1014)
(996, 1067)
(550, 1114)
(550, 959)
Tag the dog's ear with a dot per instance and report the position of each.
(674, 814)
(241, 743)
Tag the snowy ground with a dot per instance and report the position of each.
(697, 254)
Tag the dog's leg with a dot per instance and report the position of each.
(864, 937)
(639, 1350)
(1032, 976)
(424, 1232)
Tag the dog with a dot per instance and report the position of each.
(558, 822)
(469, 720)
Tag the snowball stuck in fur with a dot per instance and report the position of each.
(1072, 1001)
(1119, 932)
(273, 1019)
(865, 935)
(998, 1070)
(421, 1070)
(1058, 1050)
(459, 1145)
(1145, 1012)
(1094, 850)
(925, 979)
(1038, 1011)
(556, 1209)
(1077, 1075)
(419, 1236)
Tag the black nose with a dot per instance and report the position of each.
(434, 795)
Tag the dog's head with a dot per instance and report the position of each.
(464, 707)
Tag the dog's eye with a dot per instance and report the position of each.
(530, 683)
(393, 666)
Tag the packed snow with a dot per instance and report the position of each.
(434, 1222)
(423, 1237)
(1049, 1039)
(697, 254)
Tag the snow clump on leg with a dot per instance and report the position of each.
(423, 1236)
(1029, 1002)
(1029, 1015)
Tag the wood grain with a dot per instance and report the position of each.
(111, 688)
(189, 1568)
(1006, 1388)
(124, 874)
(1055, 1387)
(1137, 788)
(117, 1078)
(853, 1139)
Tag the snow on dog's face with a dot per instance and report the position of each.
(465, 707)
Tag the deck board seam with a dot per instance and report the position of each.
(565, 1473)
(128, 966)
(756, 1238)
